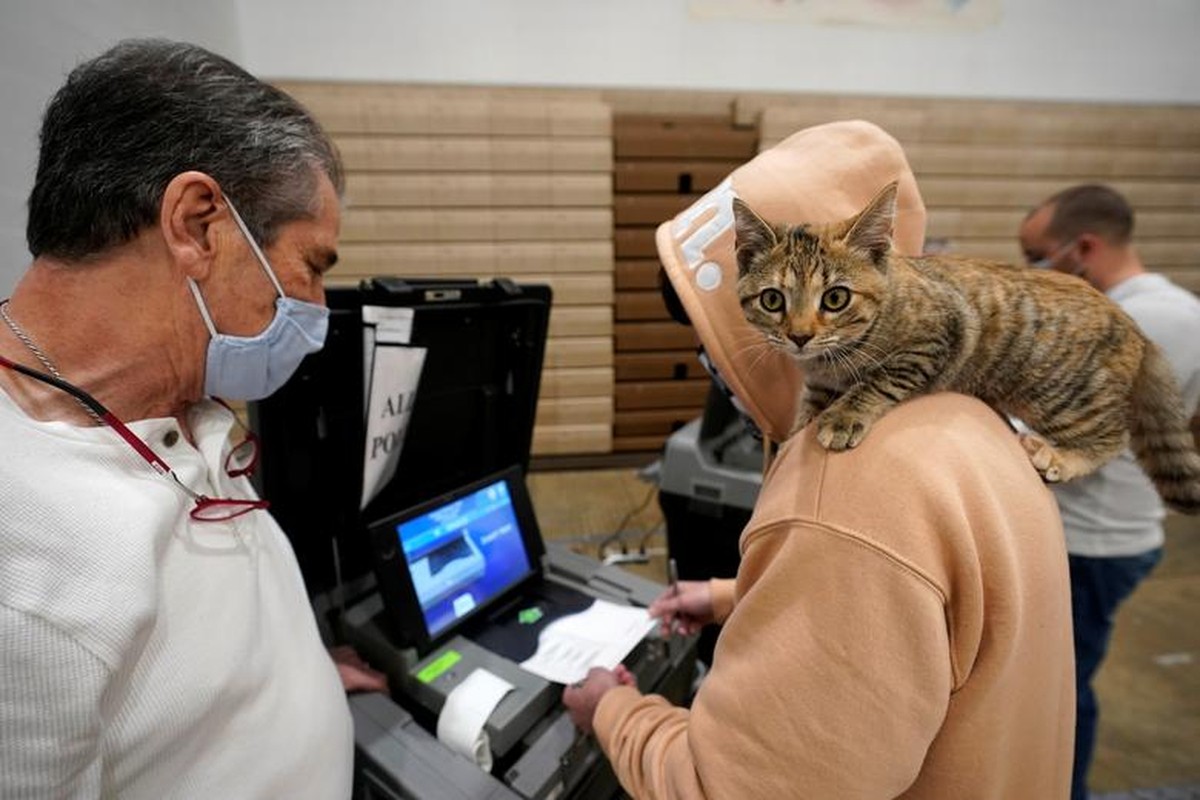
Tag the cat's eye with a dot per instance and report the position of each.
(835, 299)
(771, 300)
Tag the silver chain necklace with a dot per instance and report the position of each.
(26, 340)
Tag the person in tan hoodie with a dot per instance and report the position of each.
(900, 624)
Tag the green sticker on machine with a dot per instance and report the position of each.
(529, 616)
(431, 671)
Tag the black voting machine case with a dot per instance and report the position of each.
(473, 414)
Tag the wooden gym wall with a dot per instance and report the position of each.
(480, 183)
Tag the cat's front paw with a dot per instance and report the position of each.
(841, 430)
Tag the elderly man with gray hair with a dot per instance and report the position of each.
(155, 636)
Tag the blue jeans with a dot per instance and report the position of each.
(1098, 587)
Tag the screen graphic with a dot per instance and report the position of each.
(463, 554)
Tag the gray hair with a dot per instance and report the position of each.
(127, 122)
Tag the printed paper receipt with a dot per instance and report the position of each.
(599, 637)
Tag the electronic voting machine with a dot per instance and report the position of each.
(428, 558)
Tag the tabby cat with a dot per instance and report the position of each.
(871, 328)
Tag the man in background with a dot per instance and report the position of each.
(1113, 517)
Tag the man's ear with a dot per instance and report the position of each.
(191, 203)
(752, 234)
(1087, 243)
(871, 231)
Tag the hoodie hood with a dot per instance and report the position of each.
(820, 175)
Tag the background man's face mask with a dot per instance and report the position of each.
(1048, 261)
(253, 367)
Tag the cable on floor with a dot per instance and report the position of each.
(616, 535)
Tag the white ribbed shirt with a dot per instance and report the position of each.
(145, 655)
(1115, 511)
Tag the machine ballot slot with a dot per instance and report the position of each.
(430, 681)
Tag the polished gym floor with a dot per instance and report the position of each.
(1149, 739)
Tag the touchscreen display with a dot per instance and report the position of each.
(463, 554)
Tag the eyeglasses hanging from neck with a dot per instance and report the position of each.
(241, 460)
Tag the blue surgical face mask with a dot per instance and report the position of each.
(1048, 261)
(253, 367)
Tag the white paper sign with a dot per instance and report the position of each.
(390, 324)
(397, 320)
(395, 373)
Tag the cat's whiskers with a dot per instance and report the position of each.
(788, 347)
(841, 359)
(764, 350)
(846, 358)
(751, 342)
(757, 349)
(864, 347)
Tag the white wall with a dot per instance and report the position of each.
(1119, 50)
(40, 41)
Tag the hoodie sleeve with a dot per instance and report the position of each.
(723, 597)
(830, 679)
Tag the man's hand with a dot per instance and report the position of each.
(685, 610)
(355, 673)
(582, 698)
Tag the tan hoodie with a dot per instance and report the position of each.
(900, 623)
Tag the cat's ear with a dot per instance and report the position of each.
(753, 234)
(871, 231)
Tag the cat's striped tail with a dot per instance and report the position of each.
(1160, 436)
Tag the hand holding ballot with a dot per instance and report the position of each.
(582, 698)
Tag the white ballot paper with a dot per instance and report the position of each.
(466, 711)
(600, 636)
